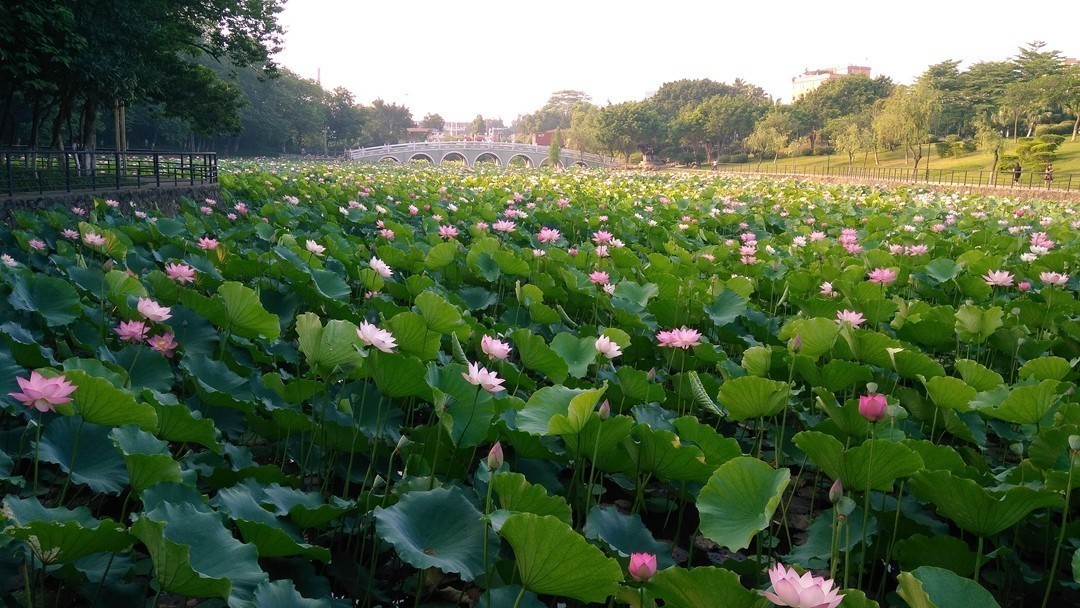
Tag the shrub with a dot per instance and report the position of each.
(1064, 127)
(1052, 139)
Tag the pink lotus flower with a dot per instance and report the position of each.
(914, 250)
(642, 566)
(599, 277)
(481, 226)
(371, 335)
(806, 591)
(998, 278)
(380, 267)
(44, 394)
(387, 234)
(94, 239)
(504, 226)
(448, 232)
(827, 290)
(1024, 286)
(314, 247)
(181, 273)
(572, 251)
(37, 244)
(682, 337)
(207, 243)
(548, 235)
(607, 347)
(850, 316)
(70, 234)
(9, 261)
(873, 406)
(884, 276)
(241, 208)
(132, 331)
(601, 251)
(609, 289)
(1054, 278)
(496, 349)
(152, 311)
(480, 376)
(601, 236)
(164, 344)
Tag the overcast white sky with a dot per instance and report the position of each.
(504, 58)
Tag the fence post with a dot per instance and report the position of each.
(191, 164)
(67, 171)
(157, 170)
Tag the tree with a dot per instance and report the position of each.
(100, 53)
(633, 126)
(434, 122)
(905, 118)
(386, 123)
(989, 139)
(555, 114)
(838, 97)
(763, 140)
(585, 128)
(555, 148)
(1032, 62)
(1063, 91)
(478, 125)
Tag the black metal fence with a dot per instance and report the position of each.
(26, 171)
(1027, 180)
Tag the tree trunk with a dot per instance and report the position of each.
(993, 170)
(1076, 126)
(89, 133)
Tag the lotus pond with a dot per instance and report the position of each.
(348, 385)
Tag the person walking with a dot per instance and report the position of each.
(1017, 171)
(1048, 175)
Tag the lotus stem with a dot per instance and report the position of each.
(1061, 532)
(978, 558)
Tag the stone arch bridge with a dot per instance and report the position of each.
(472, 152)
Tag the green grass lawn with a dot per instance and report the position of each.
(1066, 163)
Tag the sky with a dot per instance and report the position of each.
(502, 59)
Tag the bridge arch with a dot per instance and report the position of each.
(390, 159)
(487, 157)
(419, 156)
(520, 158)
(454, 157)
(547, 163)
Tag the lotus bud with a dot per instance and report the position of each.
(642, 566)
(605, 410)
(796, 343)
(651, 375)
(1017, 448)
(1074, 442)
(873, 407)
(836, 492)
(495, 457)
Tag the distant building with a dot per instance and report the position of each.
(417, 134)
(812, 79)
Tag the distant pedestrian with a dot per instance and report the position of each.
(1048, 175)
(1017, 171)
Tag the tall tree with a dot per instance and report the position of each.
(479, 127)
(434, 122)
(905, 118)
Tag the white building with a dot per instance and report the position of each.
(812, 79)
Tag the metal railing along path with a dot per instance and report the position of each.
(25, 171)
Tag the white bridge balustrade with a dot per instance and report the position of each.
(472, 152)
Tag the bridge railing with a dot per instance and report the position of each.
(24, 171)
(390, 149)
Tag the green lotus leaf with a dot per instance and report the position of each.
(703, 587)
(739, 501)
(52, 298)
(99, 402)
(977, 375)
(625, 534)
(272, 536)
(975, 325)
(147, 458)
(727, 307)
(976, 509)
(578, 353)
(60, 535)
(86, 453)
(930, 587)
(439, 315)
(538, 356)
(943, 270)
(950, 393)
(194, 555)
(552, 559)
(661, 453)
(274, 594)
(1046, 368)
(818, 335)
(330, 347)
(1027, 404)
(244, 313)
(753, 397)
(946, 552)
(399, 375)
(440, 256)
(330, 285)
(515, 493)
(440, 529)
(875, 464)
(413, 336)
